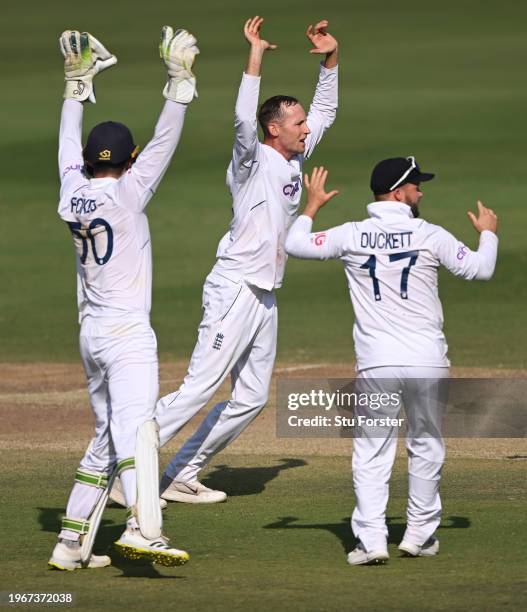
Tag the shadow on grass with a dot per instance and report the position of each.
(342, 530)
(140, 569)
(239, 481)
(109, 532)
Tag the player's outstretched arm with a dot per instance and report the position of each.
(323, 109)
(462, 261)
(178, 50)
(258, 46)
(84, 57)
(300, 241)
(245, 149)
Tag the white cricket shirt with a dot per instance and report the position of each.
(391, 262)
(266, 188)
(107, 220)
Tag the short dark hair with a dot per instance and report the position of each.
(272, 110)
(93, 170)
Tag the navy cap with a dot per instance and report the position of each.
(109, 142)
(394, 172)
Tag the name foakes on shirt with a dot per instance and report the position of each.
(385, 240)
(83, 206)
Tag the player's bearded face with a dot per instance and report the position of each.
(411, 195)
(293, 130)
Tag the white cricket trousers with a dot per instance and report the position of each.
(120, 360)
(237, 335)
(424, 393)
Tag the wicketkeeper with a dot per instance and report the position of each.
(105, 188)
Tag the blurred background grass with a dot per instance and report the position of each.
(442, 81)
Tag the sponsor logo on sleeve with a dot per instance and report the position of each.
(70, 168)
(320, 239)
(461, 252)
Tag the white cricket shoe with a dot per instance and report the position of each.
(133, 545)
(360, 556)
(67, 556)
(117, 495)
(190, 492)
(429, 549)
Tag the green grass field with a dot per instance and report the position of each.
(280, 542)
(442, 81)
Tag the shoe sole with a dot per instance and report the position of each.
(187, 498)
(155, 556)
(421, 553)
(377, 560)
(63, 568)
(57, 566)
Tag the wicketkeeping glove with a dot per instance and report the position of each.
(84, 57)
(178, 51)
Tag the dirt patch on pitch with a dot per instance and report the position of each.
(45, 405)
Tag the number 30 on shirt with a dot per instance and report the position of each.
(371, 263)
(92, 235)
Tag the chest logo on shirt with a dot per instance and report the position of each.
(291, 189)
(82, 206)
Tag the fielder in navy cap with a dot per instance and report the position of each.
(391, 260)
(399, 178)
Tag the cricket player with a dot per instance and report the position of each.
(391, 262)
(105, 188)
(238, 332)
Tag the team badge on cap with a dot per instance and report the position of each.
(111, 143)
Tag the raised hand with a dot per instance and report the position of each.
(316, 191)
(322, 41)
(178, 51)
(486, 219)
(84, 57)
(252, 34)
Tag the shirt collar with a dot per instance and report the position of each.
(102, 180)
(279, 156)
(389, 208)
